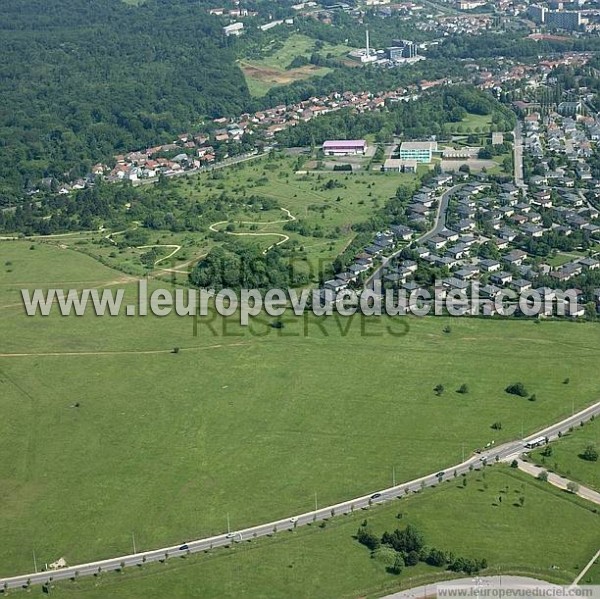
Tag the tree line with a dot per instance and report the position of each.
(406, 548)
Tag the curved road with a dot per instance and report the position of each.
(283, 237)
(479, 582)
(505, 452)
(439, 225)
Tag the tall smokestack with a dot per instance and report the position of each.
(368, 52)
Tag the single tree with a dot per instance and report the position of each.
(517, 389)
(590, 453)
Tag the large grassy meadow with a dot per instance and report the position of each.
(245, 421)
(335, 202)
(482, 520)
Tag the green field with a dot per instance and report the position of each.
(562, 258)
(335, 202)
(593, 574)
(271, 69)
(250, 425)
(472, 123)
(352, 199)
(565, 458)
(327, 562)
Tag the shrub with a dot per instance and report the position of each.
(517, 389)
(367, 538)
(436, 558)
(398, 565)
(590, 453)
(385, 555)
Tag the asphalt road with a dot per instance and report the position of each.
(518, 155)
(560, 482)
(204, 169)
(505, 452)
(479, 582)
(439, 225)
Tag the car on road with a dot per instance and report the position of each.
(183, 547)
(294, 519)
(376, 496)
(440, 474)
(230, 535)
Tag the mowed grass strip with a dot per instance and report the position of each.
(328, 563)
(566, 455)
(246, 421)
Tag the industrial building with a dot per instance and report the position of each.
(393, 165)
(570, 20)
(345, 147)
(233, 29)
(420, 151)
(402, 49)
(365, 54)
(537, 13)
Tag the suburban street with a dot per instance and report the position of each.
(439, 225)
(502, 453)
(518, 155)
(204, 169)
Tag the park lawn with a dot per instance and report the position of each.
(561, 258)
(314, 562)
(593, 574)
(565, 458)
(249, 422)
(33, 263)
(193, 246)
(352, 199)
(472, 123)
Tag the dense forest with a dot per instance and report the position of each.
(83, 79)
(238, 265)
(491, 45)
(372, 79)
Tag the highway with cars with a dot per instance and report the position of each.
(493, 454)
